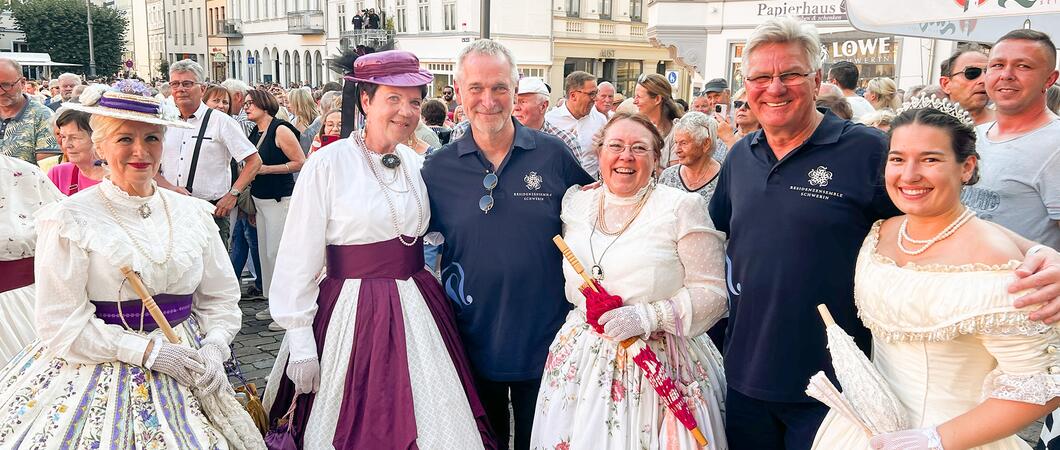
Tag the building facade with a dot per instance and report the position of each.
(278, 41)
(156, 37)
(185, 31)
(217, 60)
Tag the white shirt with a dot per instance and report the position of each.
(585, 128)
(859, 106)
(23, 190)
(224, 140)
(337, 201)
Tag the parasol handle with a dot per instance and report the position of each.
(702, 440)
(825, 315)
(573, 260)
(149, 303)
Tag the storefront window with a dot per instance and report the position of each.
(875, 55)
(626, 74)
(736, 67)
(582, 64)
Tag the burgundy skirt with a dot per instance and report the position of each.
(377, 409)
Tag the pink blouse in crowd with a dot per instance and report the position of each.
(69, 179)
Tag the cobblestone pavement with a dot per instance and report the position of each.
(256, 347)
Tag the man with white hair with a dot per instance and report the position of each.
(238, 90)
(605, 99)
(196, 161)
(495, 199)
(67, 82)
(821, 182)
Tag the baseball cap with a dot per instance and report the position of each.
(532, 85)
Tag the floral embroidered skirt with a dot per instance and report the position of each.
(47, 402)
(593, 396)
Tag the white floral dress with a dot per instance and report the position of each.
(81, 385)
(593, 396)
(23, 190)
(944, 338)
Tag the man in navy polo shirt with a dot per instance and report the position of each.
(796, 200)
(495, 198)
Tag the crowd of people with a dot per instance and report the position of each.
(410, 262)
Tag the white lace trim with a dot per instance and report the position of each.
(1011, 323)
(1038, 388)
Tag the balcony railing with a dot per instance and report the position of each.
(230, 28)
(376, 39)
(598, 30)
(305, 22)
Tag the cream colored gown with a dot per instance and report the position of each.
(945, 338)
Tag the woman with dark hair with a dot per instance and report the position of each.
(375, 341)
(434, 113)
(281, 156)
(655, 254)
(654, 100)
(83, 168)
(968, 369)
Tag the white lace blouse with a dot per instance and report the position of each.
(23, 190)
(81, 245)
(670, 253)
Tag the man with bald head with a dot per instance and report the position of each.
(25, 126)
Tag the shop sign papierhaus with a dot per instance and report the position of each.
(810, 11)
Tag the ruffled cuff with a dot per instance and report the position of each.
(1039, 388)
(302, 344)
(131, 349)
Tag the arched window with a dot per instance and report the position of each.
(309, 69)
(320, 69)
(239, 63)
(286, 68)
(297, 68)
(257, 67)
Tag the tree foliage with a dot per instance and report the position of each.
(59, 28)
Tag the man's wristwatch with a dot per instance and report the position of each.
(235, 192)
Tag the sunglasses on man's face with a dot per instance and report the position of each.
(737, 104)
(970, 73)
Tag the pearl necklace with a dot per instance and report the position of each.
(600, 223)
(136, 243)
(389, 203)
(903, 235)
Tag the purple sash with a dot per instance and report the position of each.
(176, 308)
(377, 408)
(17, 274)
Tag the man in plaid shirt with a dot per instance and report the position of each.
(530, 106)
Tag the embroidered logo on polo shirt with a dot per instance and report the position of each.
(820, 176)
(533, 181)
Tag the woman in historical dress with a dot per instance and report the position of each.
(23, 191)
(371, 353)
(969, 369)
(656, 248)
(101, 374)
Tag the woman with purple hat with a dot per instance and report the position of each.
(101, 371)
(372, 358)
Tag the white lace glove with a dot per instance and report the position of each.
(181, 363)
(918, 439)
(213, 360)
(305, 374)
(627, 321)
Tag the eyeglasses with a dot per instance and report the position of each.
(786, 78)
(737, 104)
(591, 94)
(637, 148)
(970, 73)
(186, 84)
(8, 86)
(486, 202)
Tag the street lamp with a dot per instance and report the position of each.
(91, 51)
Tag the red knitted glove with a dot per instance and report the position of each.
(597, 303)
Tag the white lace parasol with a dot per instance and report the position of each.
(866, 396)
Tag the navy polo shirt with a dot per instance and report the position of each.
(501, 269)
(795, 227)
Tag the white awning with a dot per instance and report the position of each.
(34, 59)
(958, 20)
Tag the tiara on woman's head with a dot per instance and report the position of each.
(944, 105)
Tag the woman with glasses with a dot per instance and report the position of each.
(744, 120)
(375, 341)
(654, 100)
(657, 259)
(83, 168)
